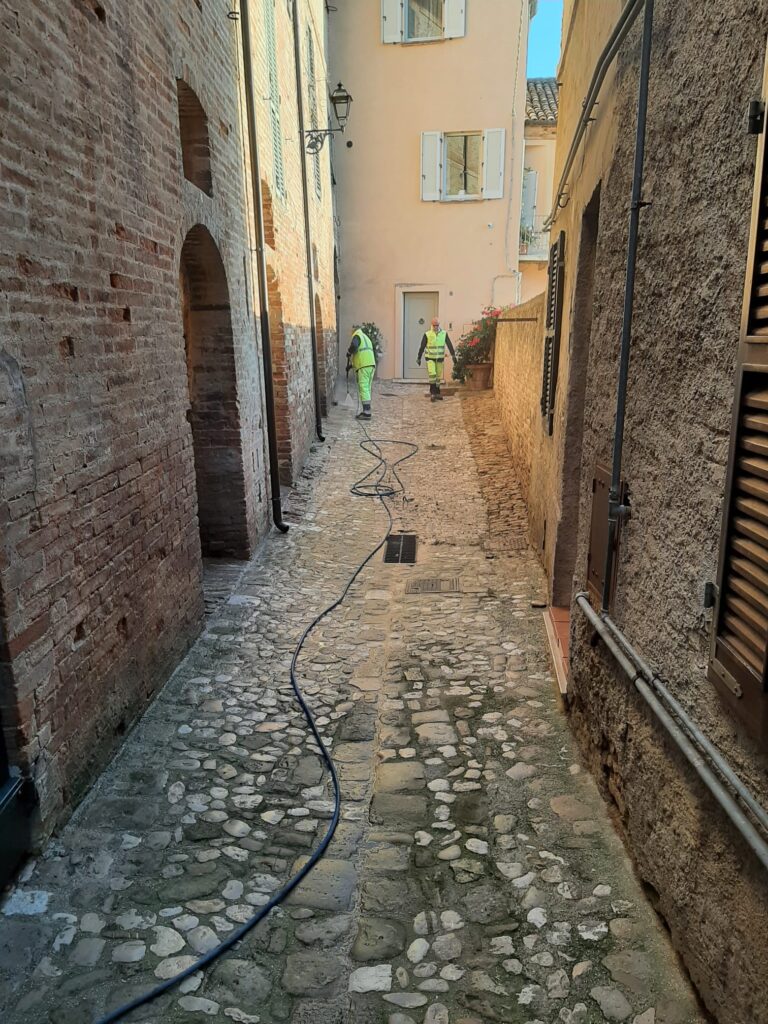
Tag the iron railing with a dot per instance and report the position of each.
(534, 239)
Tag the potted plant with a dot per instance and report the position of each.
(474, 353)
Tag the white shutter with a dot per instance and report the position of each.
(391, 21)
(530, 190)
(455, 18)
(431, 166)
(493, 163)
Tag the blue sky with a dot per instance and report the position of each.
(544, 40)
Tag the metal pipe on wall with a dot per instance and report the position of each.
(261, 262)
(682, 732)
(615, 510)
(657, 684)
(307, 223)
(623, 25)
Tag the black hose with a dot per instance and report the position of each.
(362, 488)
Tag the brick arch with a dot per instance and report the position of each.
(280, 372)
(195, 141)
(268, 214)
(214, 414)
(17, 482)
(322, 362)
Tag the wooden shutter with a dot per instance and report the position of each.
(431, 166)
(739, 657)
(493, 163)
(274, 96)
(391, 21)
(455, 19)
(313, 115)
(553, 327)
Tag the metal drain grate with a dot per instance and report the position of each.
(401, 549)
(433, 586)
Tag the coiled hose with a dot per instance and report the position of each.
(365, 487)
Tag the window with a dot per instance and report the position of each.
(739, 657)
(530, 188)
(274, 97)
(195, 145)
(312, 87)
(554, 322)
(424, 19)
(420, 21)
(462, 165)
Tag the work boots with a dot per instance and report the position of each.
(433, 392)
(366, 413)
(438, 397)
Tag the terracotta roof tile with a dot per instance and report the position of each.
(541, 107)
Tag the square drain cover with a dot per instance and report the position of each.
(401, 548)
(433, 586)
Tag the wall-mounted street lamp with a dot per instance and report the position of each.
(341, 101)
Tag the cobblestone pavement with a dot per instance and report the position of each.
(475, 876)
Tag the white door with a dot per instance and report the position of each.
(418, 310)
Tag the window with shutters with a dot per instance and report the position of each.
(739, 657)
(553, 328)
(313, 120)
(274, 97)
(422, 21)
(458, 166)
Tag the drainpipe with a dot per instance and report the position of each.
(616, 511)
(261, 262)
(307, 225)
(702, 755)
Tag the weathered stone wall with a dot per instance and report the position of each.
(100, 553)
(707, 65)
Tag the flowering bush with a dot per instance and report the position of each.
(475, 346)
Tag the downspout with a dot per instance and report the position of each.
(261, 262)
(307, 225)
(616, 511)
(703, 756)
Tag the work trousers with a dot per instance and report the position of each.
(435, 371)
(364, 383)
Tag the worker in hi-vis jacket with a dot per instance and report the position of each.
(433, 345)
(362, 358)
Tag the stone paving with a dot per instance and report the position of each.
(475, 876)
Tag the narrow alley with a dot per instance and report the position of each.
(475, 876)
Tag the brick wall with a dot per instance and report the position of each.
(284, 234)
(102, 453)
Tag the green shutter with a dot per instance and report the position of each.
(274, 96)
(312, 86)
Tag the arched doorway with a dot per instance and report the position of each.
(326, 386)
(214, 415)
